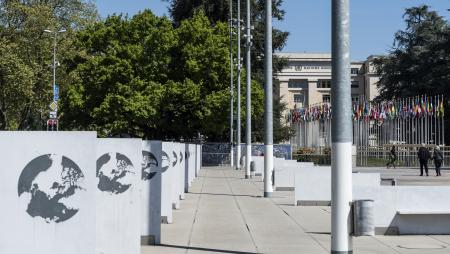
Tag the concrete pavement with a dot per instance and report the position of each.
(225, 213)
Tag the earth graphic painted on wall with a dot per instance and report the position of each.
(114, 175)
(165, 162)
(50, 184)
(175, 159)
(149, 165)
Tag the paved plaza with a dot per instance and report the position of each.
(225, 213)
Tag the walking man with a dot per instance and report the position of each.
(438, 158)
(392, 158)
(424, 156)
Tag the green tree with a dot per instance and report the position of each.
(116, 75)
(218, 11)
(419, 61)
(142, 77)
(27, 55)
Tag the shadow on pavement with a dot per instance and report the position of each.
(206, 249)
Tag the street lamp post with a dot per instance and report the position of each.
(238, 122)
(231, 86)
(268, 114)
(54, 66)
(248, 129)
(341, 131)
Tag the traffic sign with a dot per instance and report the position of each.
(55, 92)
(53, 114)
(54, 106)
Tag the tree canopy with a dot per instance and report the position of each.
(26, 50)
(143, 77)
(218, 11)
(419, 61)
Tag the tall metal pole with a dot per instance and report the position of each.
(54, 62)
(341, 164)
(231, 86)
(238, 122)
(268, 114)
(249, 97)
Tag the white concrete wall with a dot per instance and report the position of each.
(388, 200)
(152, 192)
(174, 154)
(313, 185)
(187, 181)
(192, 160)
(199, 158)
(38, 164)
(118, 196)
(167, 182)
(182, 168)
(259, 165)
(285, 173)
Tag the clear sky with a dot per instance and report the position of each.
(373, 22)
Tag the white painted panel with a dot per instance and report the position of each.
(118, 170)
(167, 181)
(413, 199)
(285, 172)
(152, 191)
(191, 163)
(314, 184)
(176, 174)
(47, 192)
(259, 165)
(182, 168)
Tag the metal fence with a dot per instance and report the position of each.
(368, 156)
(217, 154)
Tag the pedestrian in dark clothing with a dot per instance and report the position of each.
(424, 156)
(392, 158)
(438, 158)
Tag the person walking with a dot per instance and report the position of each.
(424, 156)
(438, 158)
(392, 157)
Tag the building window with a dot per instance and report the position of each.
(299, 98)
(326, 98)
(354, 71)
(355, 84)
(355, 99)
(298, 83)
(324, 83)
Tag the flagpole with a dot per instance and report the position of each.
(341, 163)
(239, 66)
(231, 87)
(249, 96)
(268, 119)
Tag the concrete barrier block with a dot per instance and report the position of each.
(118, 192)
(48, 187)
(167, 182)
(152, 192)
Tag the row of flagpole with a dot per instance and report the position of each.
(403, 123)
(413, 107)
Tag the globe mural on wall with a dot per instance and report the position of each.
(149, 165)
(165, 162)
(49, 185)
(114, 175)
(175, 159)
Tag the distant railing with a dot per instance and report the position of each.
(376, 156)
(367, 156)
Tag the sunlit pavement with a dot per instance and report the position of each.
(225, 213)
